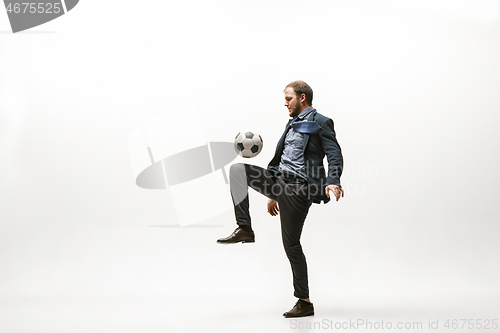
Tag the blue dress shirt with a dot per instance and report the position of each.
(292, 159)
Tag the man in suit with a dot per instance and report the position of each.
(293, 180)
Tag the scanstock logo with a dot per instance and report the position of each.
(26, 14)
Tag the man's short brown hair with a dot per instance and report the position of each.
(300, 87)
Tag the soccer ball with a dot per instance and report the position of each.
(248, 144)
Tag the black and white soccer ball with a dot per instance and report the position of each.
(248, 144)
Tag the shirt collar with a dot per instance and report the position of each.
(305, 113)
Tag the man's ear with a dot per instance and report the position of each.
(302, 98)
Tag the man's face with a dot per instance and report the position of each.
(292, 102)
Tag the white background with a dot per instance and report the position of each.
(413, 89)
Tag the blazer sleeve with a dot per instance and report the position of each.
(332, 151)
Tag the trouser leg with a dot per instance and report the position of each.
(241, 176)
(294, 207)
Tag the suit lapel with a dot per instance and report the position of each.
(281, 143)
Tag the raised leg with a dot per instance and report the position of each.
(242, 176)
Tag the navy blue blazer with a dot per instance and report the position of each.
(316, 146)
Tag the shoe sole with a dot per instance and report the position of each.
(307, 315)
(247, 241)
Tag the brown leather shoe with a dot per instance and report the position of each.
(238, 235)
(300, 309)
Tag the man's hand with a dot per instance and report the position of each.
(337, 191)
(272, 207)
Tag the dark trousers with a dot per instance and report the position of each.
(293, 203)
